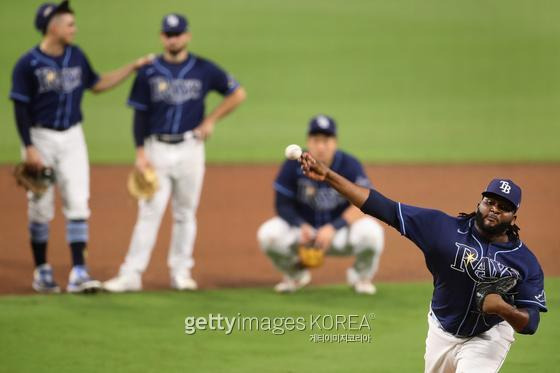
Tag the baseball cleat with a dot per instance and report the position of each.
(79, 281)
(291, 284)
(365, 287)
(43, 281)
(361, 285)
(123, 283)
(183, 282)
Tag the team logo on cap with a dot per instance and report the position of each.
(505, 187)
(323, 121)
(47, 11)
(172, 20)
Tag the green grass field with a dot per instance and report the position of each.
(145, 332)
(408, 81)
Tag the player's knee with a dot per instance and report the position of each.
(270, 234)
(367, 234)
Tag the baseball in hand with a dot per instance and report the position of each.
(293, 152)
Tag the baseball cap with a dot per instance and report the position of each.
(174, 23)
(46, 11)
(506, 189)
(322, 124)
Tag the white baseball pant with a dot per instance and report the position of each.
(66, 152)
(484, 353)
(364, 238)
(180, 170)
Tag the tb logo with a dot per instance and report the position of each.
(505, 187)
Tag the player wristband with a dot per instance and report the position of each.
(339, 223)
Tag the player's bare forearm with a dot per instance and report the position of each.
(228, 104)
(518, 318)
(114, 78)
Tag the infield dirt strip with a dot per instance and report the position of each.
(237, 199)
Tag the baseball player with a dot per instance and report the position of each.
(170, 127)
(311, 213)
(487, 283)
(47, 87)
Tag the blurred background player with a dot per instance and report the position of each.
(312, 213)
(47, 87)
(170, 127)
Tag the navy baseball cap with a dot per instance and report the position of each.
(46, 11)
(506, 189)
(322, 124)
(174, 23)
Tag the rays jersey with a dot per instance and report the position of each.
(315, 202)
(459, 258)
(53, 86)
(173, 94)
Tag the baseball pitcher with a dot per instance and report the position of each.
(487, 283)
(315, 218)
(48, 83)
(170, 127)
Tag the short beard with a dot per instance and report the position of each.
(175, 52)
(496, 230)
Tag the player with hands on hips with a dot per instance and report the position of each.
(312, 214)
(48, 83)
(170, 127)
(487, 283)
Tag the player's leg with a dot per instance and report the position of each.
(188, 175)
(40, 211)
(144, 234)
(73, 181)
(486, 353)
(441, 348)
(279, 242)
(365, 240)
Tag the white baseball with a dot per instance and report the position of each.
(293, 152)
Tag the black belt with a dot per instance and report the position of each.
(58, 129)
(173, 138)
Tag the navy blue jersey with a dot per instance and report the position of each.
(173, 94)
(316, 202)
(53, 86)
(459, 258)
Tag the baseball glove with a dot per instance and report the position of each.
(310, 257)
(34, 180)
(500, 286)
(142, 185)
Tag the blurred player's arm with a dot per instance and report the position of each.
(523, 320)
(112, 79)
(228, 104)
(23, 123)
(286, 209)
(140, 132)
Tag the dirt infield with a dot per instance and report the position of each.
(236, 199)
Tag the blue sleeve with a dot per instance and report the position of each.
(23, 121)
(140, 127)
(221, 81)
(139, 97)
(382, 208)
(286, 209)
(534, 319)
(285, 187)
(89, 76)
(530, 292)
(359, 176)
(22, 82)
(423, 226)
